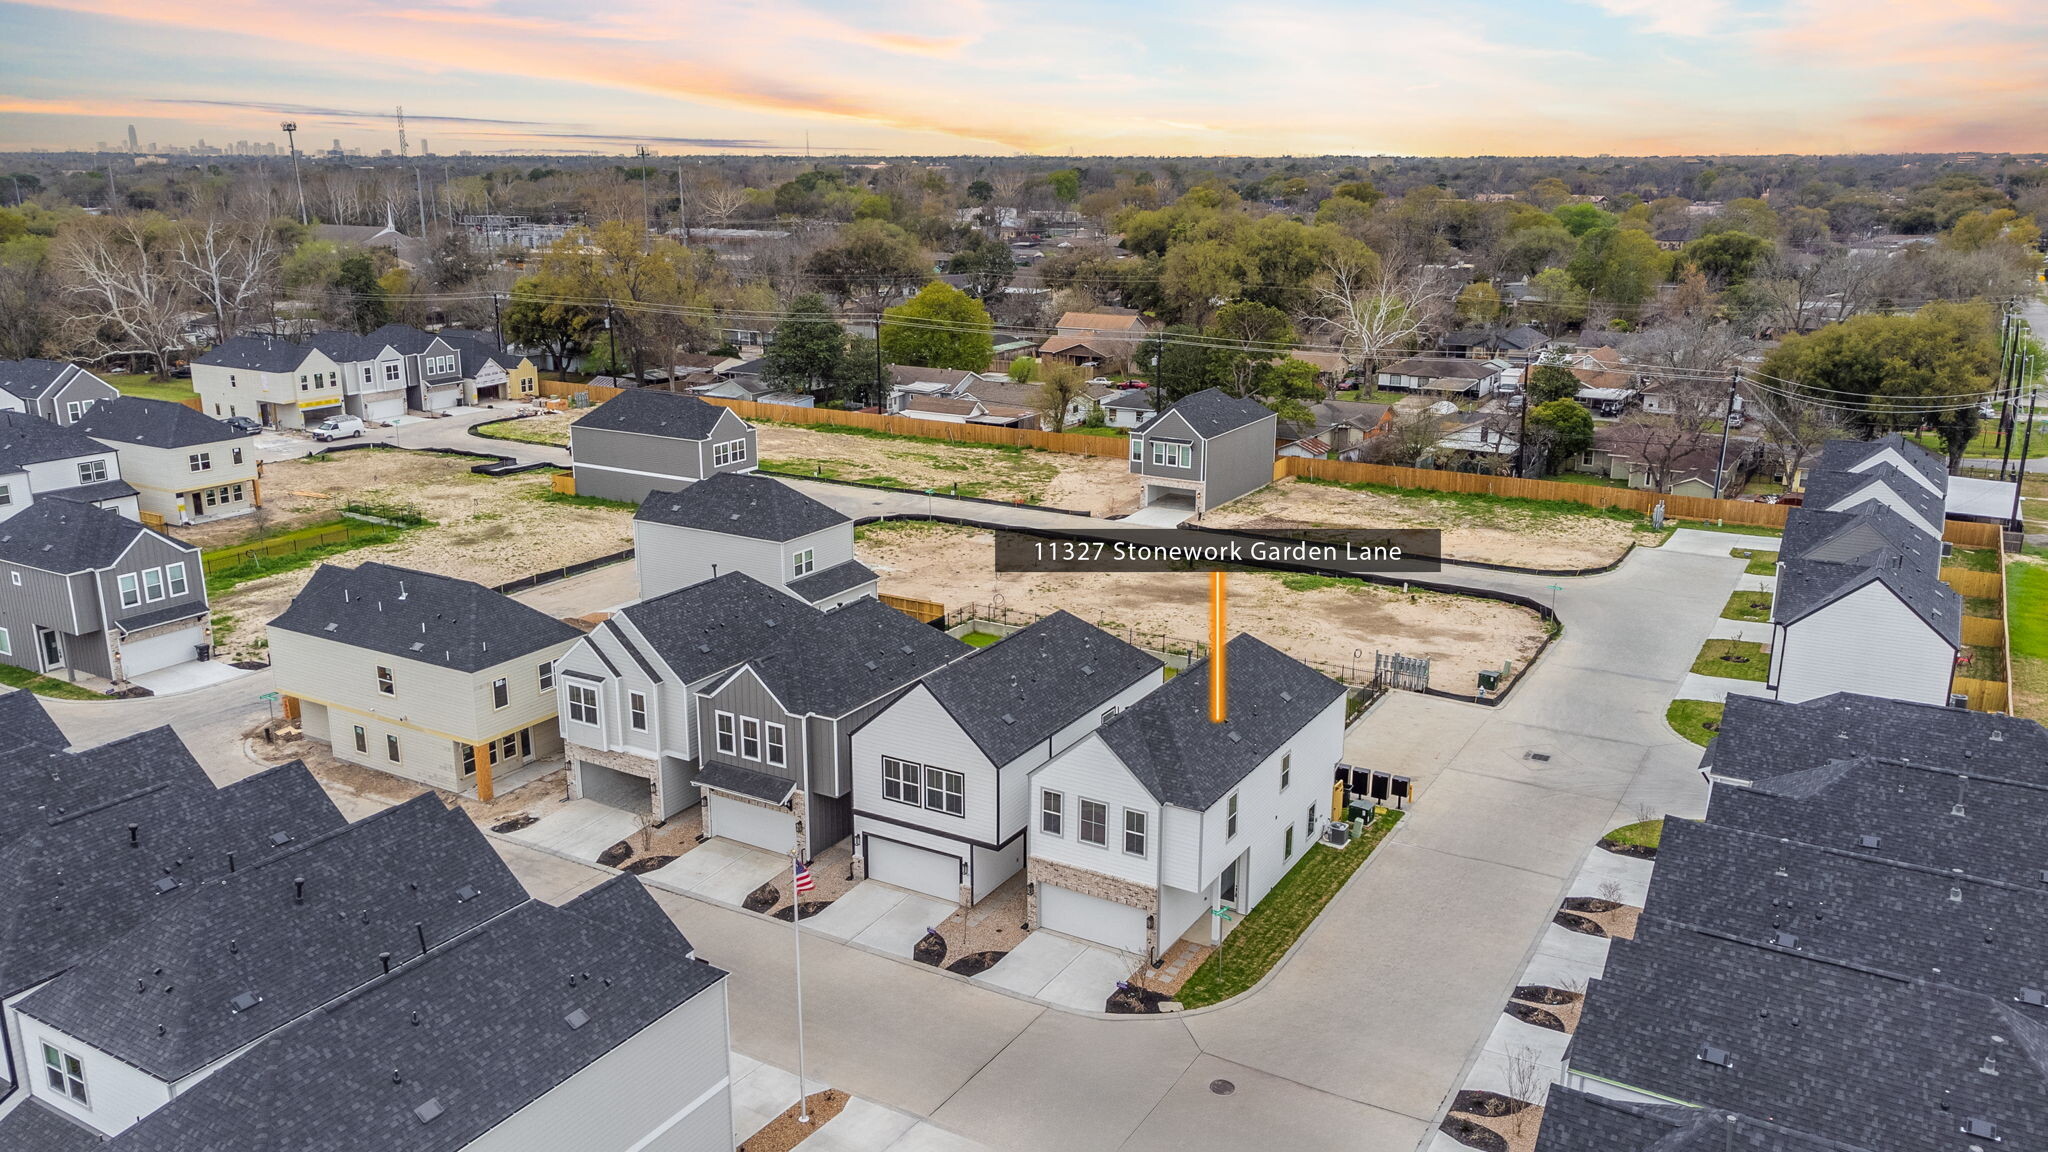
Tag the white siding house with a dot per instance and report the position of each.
(745, 522)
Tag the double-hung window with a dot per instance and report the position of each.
(92, 471)
(385, 684)
(1287, 844)
(583, 704)
(131, 589)
(1286, 769)
(1230, 818)
(945, 791)
(174, 575)
(750, 738)
(1134, 833)
(724, 724)
(778, 745)
(362, 739)
(1052, 813)
(199, 462)
(65, 1073)
(636, 710)
(900, 781)
(1094, 822)
(152, 584)
(803, 563)
(547, 675)
(1138, 449)
(391, 371)
(1168, 454)
(391, 748)
(501, 693)
(728, 452)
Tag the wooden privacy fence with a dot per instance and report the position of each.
(598, 393)
(1985, 695)
(1970, 582)
(1072, 443)
(922, 611)
(1516, 488)
(1982, 631)
(1973, 534)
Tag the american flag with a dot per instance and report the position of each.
(803, 877)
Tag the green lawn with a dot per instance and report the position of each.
(285, 551)
(1648, 834)
(176, 391)
(1754, 607)
(1984, 445)
(1755, 665)
(1982, 662)
(532, 430)
(1377, 396)
(1269, 930)
(554, 497)
(1112, 433)
(43, 685)
(1974, 559)
(1588, 478)
(1983, 606)
(1689, 718)
(979, 639)
(1737, 529)
(1760, 563)
(2026, 590)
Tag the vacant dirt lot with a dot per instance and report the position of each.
(487, 530)
(1523, 533)
(1310, 617)
(1099, 484)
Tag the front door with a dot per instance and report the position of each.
(52, 648)
(1231, 882)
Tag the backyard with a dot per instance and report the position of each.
(1338, 622)
(1099, 484)
(2027, 589)
(479, 528)
(143, 385)
(551, 430)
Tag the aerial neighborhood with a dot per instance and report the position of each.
(555, 623)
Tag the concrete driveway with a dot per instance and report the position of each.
(581, 829)
(1062, 970)
(882, 917)
(722, 870)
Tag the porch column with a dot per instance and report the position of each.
(256, 492)
(482, 752)
(291, 708)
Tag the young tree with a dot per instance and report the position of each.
(1479, 304)
(1551, 381)
(1556, 432)
(940, 327)
(1023, 369)
(809, 345)
(1062, 384)
(1558, 299)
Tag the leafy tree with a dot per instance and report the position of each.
(1066, 185)
(940, 327)
(1548, 193)
(367, 303)
(2004, 231)
(1557, 431)
(1176, 367)
(1254, 363)
(1559, 299)
(534, 315)
(1062, 384)
(1581, 218)
(1727, 257)
(809, 345)
(981, 192)
(1530, 250)
(1479, 303)
(1361, 191)
(1619, 266)
(871, 262)
(1023, 369)
(1551, 381)
(986, 262)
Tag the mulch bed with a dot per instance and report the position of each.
(647, 864)
(1473, 1134)
(763, 898)
(132, 692)
(1530, 1014)
(616, 855)
(1544, 994)
(1638, 851)
(1589, 904)
(251, 665)
(1489, 1104)
(930, 949)
(810, 908)
(516, 823)
(1132, 999)
(1583, 925)
(784, 1132)
(975, 963)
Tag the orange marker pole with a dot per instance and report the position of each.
(1219, 637)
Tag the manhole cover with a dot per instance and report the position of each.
(1222, 1087)
(1539, 757)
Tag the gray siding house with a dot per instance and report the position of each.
(39, 459)
(89, 590)
(52, 389)
(642, 440)
(746, 522)
(1208, 449)
(185, 466)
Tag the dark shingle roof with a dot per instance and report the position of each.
(1875, 534)
(623, 904)
(654, 413)
(1442, 368)
(1807, 586)
(1583, 1122)
(1826, 490)
(38, 1127)
(737, 504)
(26, 439)
(1845, 455)
(151, 423)
(29, 379)
(419, 616)
(1168, 742)
(41, 784)
(493, 1036)
(24, 722)
(266, 353)
(708, 627)
(56, 534)
(1212, 412)
(832, 581)
(257, 930)
(1023, 689)
(743, 781)
(832, 662)
(1762, 738)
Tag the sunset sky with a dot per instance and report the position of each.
(1457, 77)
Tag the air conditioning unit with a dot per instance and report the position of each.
(1337, 834)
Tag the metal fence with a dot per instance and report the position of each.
(252, 555)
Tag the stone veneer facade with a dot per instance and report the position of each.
(1111, 888)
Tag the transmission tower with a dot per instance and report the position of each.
(401, 130)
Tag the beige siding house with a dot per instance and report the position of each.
(185, 466)
(436, 680)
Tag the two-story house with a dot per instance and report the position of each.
(1162, 817)
(488, 371)
(56, 391)
(40, 459)
(747, 522)
(184, 465)
(641, 440)
(737, 694)
(434, 679)
(89, 590)
(271, 379)
(1206, 449)
(1860, 606)
(941, 776)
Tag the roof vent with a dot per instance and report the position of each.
(430, 1111)
(2033, 997)
(280, 839)
(703, 647)
(1718, 1057)
(466, 893)
(576, 1019)
(1872, 842)
(166, 884)
(1235, 738)
(908, 650)
(871, 665)
(1955, 895)
(1287, 696)
(418, 644)
(333, 627)
(1787, 940)
(1087, 669)
(1980, 1128)
(1009, 719)
(244, 1002)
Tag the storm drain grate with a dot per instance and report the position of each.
(1539, 757)
(1222, 1087)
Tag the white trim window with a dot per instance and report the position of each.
(501, 693)
(725, 723)
(92, 471)
(1287, 844)
(390, 371)
(75, 409)
(199, 462)
(583, 704)
(1134, 832)
(901, 781)
(1286, 769)
(1094, 822)
(750, 738)
(778, 745)
(65, 1073)
(803, 563)
(1137, 449)
(362, 739)
(1052, 813)
(945, 791)
(547, 675)
(6, 495)
(728, 452)
(174, 575)
(386, 686)
(636, 710)
(6, 643)
(131, 589)
(1168, 454)
(1230, 818)
(391, 749)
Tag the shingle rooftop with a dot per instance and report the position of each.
(29, 379)
(1022, 690)
(26, 440)
(1762, 738)
(829, 582)
(1212, 412)
(654, 413)
(1582, 1122)
(152, 424)
(1847, 491)
(419, 616)
(741, 504)
(1850, 455)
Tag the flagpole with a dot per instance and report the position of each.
(796, 914)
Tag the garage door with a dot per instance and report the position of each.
(918, 869)
(770, 828)
(142, 656)
(613, 788)
(384, 408)
(439, 398)
(1103, 921)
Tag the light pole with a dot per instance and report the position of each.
(291, 128)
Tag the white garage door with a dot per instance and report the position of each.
(143, 656)
(918, 869)
(1103, 921)
(770, 828)
(384, 408)
(438, 398)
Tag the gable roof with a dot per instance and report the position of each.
(1212, 412)
(1068, 345)
(1022, 690)
(1116, 321)
(1139, 399)
(828, 582)
(950, 378)
(1850, 455)
(833, 662)
(1575, 1121)
(1760, 739)
(740, 504)
(296, 930)
(36, 1125)
(1442, 368)
(655, 413)
(1807, 586)
(703, 629)
(419, 616)
(1873, 535)
(27, 439)
(39, 784)
(56, 534)
(151, 423)
(1832, 492)
(1168, 742)
(24, 723)
(266, 353)
(30, 379)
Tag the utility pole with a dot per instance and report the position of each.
(646, 217)
(497, 320)
(2026, 445)
(419, 187)
(291, 128)
(2012, 385)
(1727, 418)
(682, 205)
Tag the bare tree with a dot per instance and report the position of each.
(122, 274)
(230, 265)
(1528, 1081)
(719, 201)
(1409, 438)
(1795, 428)
(1378, 312)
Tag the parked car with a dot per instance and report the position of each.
(339, 428)
(243, 425)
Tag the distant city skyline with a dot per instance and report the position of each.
(1127, 77)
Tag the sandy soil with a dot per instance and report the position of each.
(1098, 484)
(1499, 532)
(487, 530)
(784, 1132)
(1325, 621)
(348, 782)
